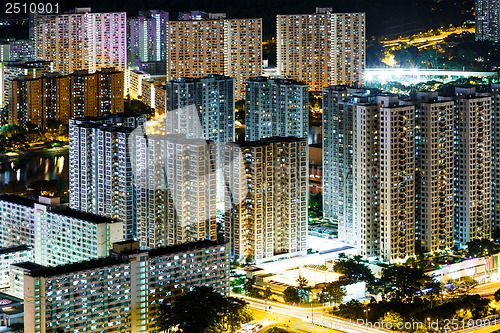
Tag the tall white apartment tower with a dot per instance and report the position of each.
(266, 198)
(385, 181)
(434, 173)
(232, 47)
(472, 166)
(176, 186)
(397, 179)
(82, 40)
(276, 107)
(495, 157)
(339, 157)
(368, 180)
(100, 176)
(322, 49)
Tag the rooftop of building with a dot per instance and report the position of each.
(13, 249)
(76, 74)
(75, 267)
(28, 265)
(56, 209)
(185, 247)
(199, 79)
(266, 141)
(28, 64)
(10, 305)
(128, 247)
(278, 80)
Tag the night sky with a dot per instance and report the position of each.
(384, 17)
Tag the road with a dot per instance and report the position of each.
(428, 39)
(486, 289)
(307, 318)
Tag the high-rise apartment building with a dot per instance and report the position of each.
(197, 48)
(368, 179)
(147, 39)
(82, 40)
(266, 198)
(495, 156)
(60, 97)
(472, 188)
(385, 180)
(175, 181)
(397, 179)
(101, 179)
(339, 157)
(487, 20)
(434, 172)
(120, 293)
(12, 69)
(212, 98)
(57, 234)
(22, 50)
(322, 49)
(276, 107)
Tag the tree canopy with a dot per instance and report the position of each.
(203, 310)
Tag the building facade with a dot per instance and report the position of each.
(56, 97)
(495, 156)
(175, 181)
(322, 49)
(147, 37)
(266, 198)
(276, 107)
(122, 292)
(339, 157)
(197, 48)
(9, 256)
(472, 188)
(101, 179)
(12, 69)
(487, 20)
(57, 234)
(82, 40)
(434, 173)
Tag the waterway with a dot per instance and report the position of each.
(31, 166)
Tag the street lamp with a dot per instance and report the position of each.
(366, 318)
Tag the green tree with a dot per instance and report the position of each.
(303, 287)
(497, 295)
(267, 293)
(249, 288)
(467, 284)
(391, 319)
(17, 327)
(399, 282)
(291, 295)
(239, 111)
(235, 313)
(354, 269)
(333, 292)
(202, 310)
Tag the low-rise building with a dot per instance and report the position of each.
(58, 234)
(12, 255)
(11, 311)
(121, 292)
